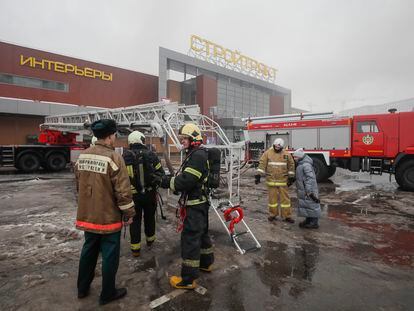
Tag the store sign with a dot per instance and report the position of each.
(216, 54)
(64, 68)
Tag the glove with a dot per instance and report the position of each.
(290, 181)
(257, 179)
(165, 182)
(314, 198)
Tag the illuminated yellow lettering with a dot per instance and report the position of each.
(25, 61)
(194, 46)
(69, 68)
(106, 77)
(97, 74)
(88, 72)
(59, 67)
(35, 62)
(79, 72)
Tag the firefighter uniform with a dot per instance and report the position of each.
(104, 197)
(278, 167)
(196, 247)
(145, 199)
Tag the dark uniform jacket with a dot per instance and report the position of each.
(193, 177)
(104, 190)
(154, 161)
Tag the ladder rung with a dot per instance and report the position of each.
(241, 233)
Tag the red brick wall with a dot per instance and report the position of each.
(206, 93)
(126, 88)
(14, 129)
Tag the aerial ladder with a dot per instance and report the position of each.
(163, 120)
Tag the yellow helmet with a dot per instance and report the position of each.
(191, 130)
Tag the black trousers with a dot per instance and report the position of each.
(196, 246)
(109, 246)
(144, 203)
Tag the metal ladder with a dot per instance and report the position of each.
(375, 166)
(7, 156)
(164, 120)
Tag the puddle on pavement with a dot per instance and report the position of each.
(391, 245)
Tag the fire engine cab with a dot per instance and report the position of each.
(374, 143)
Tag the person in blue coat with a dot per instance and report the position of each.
(307, 188)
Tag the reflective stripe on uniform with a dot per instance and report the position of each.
(126, 206)
(291, 173)
(135, 246)
(272, 205)
(191, 263)
(158, 166)
(261, 171)
(206, 251)
(285, 205)
(130, 170)
(196, 201)
(89, 225)
(276, 184)
(277, 163)
(151, 238)
(193, 172)
(172, 186)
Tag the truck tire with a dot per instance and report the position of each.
(56, 162)
(331, 171)
(404, 175)
(321, 170)
(29, 162)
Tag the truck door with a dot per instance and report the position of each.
(368, 139)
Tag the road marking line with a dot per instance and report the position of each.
(175, 293)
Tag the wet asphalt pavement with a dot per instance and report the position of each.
(362, 257)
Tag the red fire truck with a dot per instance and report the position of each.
(53, 152)
(374, 143)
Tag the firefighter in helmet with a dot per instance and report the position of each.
(279, 168)
(190, 181)
(145, 172)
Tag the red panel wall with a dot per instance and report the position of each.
(206, 93)
(127, 87)
(276, 105)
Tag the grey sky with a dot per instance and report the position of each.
(332, 54)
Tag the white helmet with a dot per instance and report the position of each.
(93, 141)
(279, 142)
(136, 137)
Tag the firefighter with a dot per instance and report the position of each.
(279, 167)
(144, 170)
(104, 203)
(196, 247)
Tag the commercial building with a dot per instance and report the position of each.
(35, 83)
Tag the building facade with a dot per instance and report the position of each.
(35, 83)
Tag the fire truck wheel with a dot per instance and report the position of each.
(29, 162)
(405, 175)
(321, 170)
(331, 171)
(56, 162)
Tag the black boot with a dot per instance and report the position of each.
(305, 222)
(119, 293)
(313, 223)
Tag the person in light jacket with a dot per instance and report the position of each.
(307, 188)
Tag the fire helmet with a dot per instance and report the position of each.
(279, 143)
(136, 137)
(192, 131)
